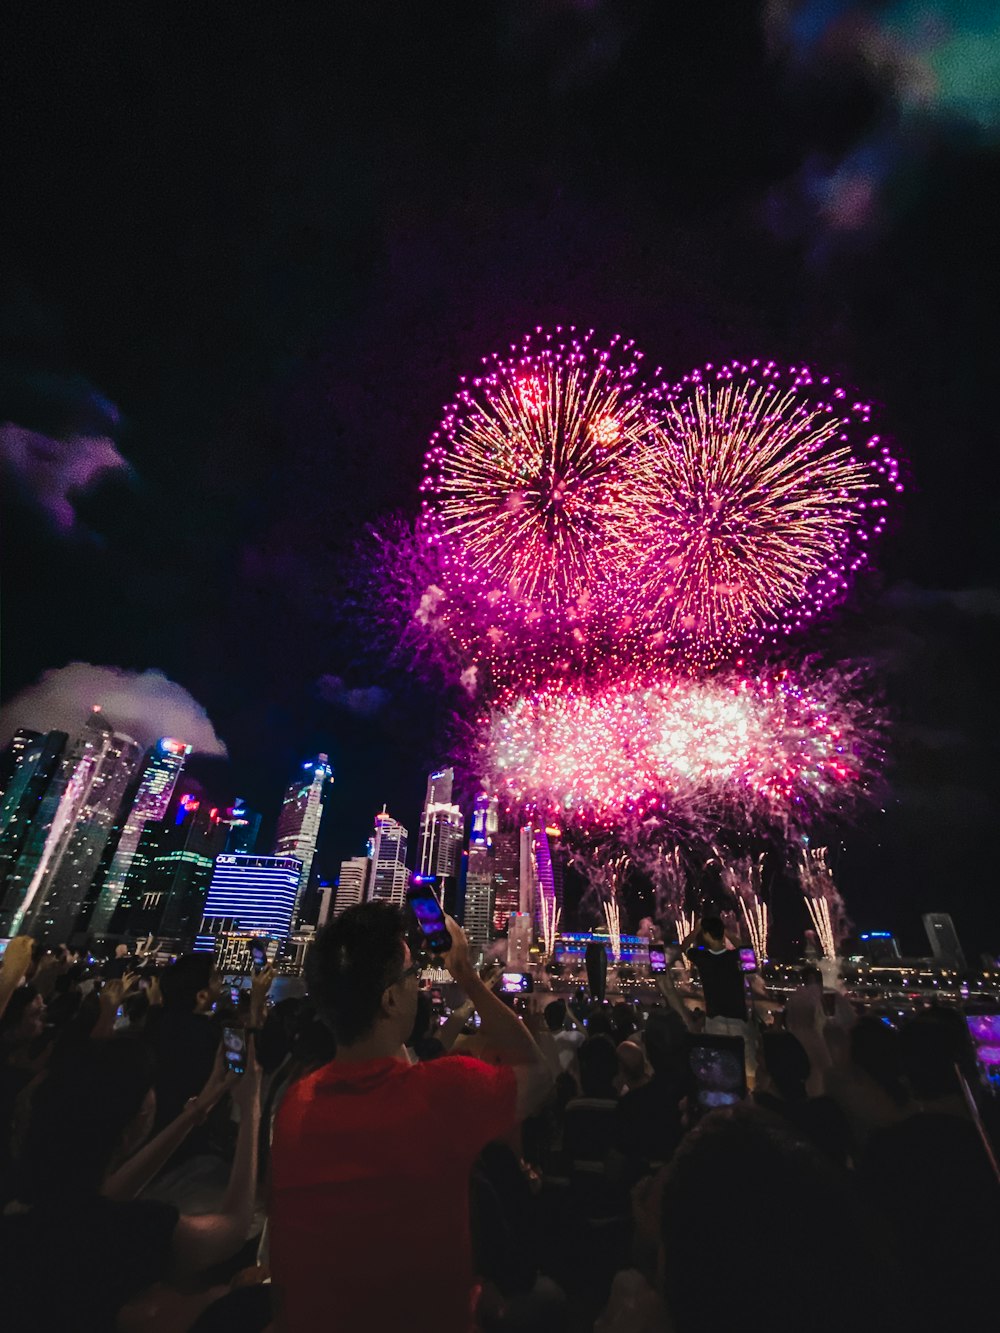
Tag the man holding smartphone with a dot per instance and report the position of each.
(361, 1145)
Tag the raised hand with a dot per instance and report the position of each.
(17, 958)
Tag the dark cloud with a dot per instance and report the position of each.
(363, 700)
(56, 442)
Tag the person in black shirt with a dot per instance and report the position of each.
(718, 969)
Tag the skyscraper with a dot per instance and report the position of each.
(519, 937)
(300, 818)
(944, 942)
(389, 876)
(33, 762)
(485, 818)
(145, 804)
(167, 884)
(479, 895)
(48, 886)
(441, 828)
(506, 878)
(351, 883)
(528, 879)
(254, 893)
(242, 827)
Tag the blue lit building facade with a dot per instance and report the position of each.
(250, 893)
(571, 948)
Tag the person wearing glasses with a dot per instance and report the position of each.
(371, 1156)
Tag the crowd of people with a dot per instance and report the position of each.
(511, 1166)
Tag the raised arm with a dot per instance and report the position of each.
(16, 961)
(141, 1167)
(200, 1242)
(500, 1029)
(665, 985)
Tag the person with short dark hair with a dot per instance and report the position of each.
(362, 1144)
(648, 1119)
(718, 968)
(566, 1034)
(184, 1036)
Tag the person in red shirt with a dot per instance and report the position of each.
(370, 1162)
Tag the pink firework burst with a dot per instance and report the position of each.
(530, 486)
(777, 748)
(763, 491)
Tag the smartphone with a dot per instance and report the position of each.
(430, 919)
(716, 1070)
(748, 960)
(258, 955)
(516, 983)
(234, 1042)
(657, 960)
(984, 1029)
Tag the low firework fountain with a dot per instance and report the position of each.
(550, 914)
(822, 899)
(612, 918)
(743, 877)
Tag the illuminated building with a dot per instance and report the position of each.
(485, 818)
(441, 827)
(389, 876)
(301, 816)
(571, 948)
(49, 884)
(528, 877)
(520, 934)
(242, 827)
(146, 803)
(327, 893)
(506, 878)
(12, 755)
(165, 890)
(351, 883)
(944, 941)
(545, 894)
(257, 893)
(479, 895)
(32, 763)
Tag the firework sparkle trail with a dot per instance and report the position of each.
(762, 493)
(530, 484)
(770, 749)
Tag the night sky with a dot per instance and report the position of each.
(274, 240)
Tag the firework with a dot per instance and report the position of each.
(685, 924)
(770, 749)
(530, 485)
(612, 919)
(666, 868)
(550, 913)
(762, 491)
(743, 877)
(822, 899)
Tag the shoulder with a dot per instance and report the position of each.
(458, 1076)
